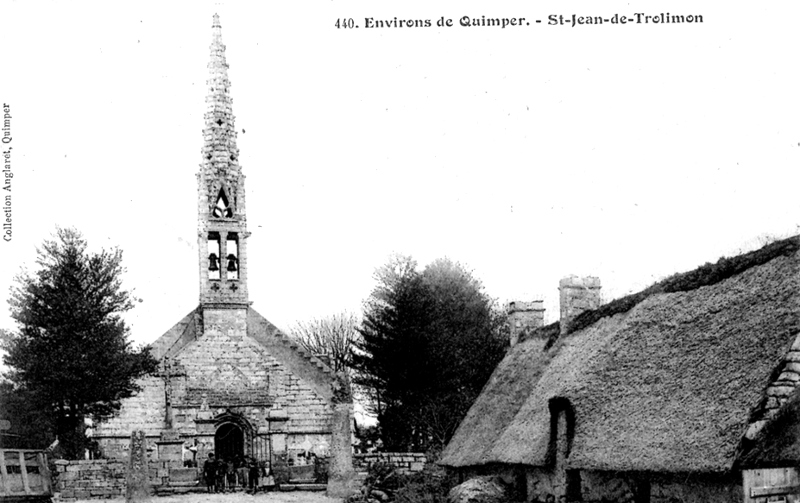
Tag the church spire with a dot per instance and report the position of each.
(219, 149)
(222, 225)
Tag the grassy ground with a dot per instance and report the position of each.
(270, 497)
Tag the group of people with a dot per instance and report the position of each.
(223, 475)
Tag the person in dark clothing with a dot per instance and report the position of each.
(210, 472)
(253, 473)
(241, 472)
(230, 475)
(222, 467)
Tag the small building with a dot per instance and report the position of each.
(229, 382)
(653, 397)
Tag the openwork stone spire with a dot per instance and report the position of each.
(222, 226)
(220, 153)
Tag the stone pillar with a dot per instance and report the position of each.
(577, 295)
(137, 485)
(341, 475)
(524, 316)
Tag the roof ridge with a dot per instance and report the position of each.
(706, 275)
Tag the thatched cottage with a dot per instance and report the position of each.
(650, 398)
(229, 382)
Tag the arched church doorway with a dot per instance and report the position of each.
(229, 441)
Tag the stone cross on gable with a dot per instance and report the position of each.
(167, 370)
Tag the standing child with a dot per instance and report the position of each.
(210, 472)
(252, 474)
(230, 472)
(241, 471)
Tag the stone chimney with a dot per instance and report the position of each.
(524, 316)
(577, 295)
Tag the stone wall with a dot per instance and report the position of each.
(96, 478)
(406, 462)
(778, 392)
(600, 486)
(225, 370)
(544, 485)
(105, 478)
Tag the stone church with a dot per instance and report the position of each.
(229, 382)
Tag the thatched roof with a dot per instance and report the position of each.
(666, 385)
(778, 444)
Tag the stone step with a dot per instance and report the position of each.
(302, 481)
(302, 487)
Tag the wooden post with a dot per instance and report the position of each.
(44, 470)
(4, 472)
(24, 470)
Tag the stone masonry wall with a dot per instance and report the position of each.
(224, 369)
(98, 478)
(601, 486)
(778, 391)
(143, 411)
(406, 462)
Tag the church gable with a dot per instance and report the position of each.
(224, 369)
(176, 337)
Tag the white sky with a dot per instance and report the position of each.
(526, 153)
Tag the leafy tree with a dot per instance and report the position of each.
(71, 358)
(430, 342)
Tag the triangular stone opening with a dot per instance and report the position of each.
(222, 209)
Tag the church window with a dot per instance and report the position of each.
(222, 209)
(213, 256)
(232, 260)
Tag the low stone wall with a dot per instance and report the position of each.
(405, 462)
(98, 478)
(101, 478)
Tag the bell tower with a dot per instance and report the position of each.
(221, 218)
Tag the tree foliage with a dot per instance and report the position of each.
(71, 358)
(430, 342)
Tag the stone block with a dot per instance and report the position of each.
(780, 391)
(754, 429)
(794, 355)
